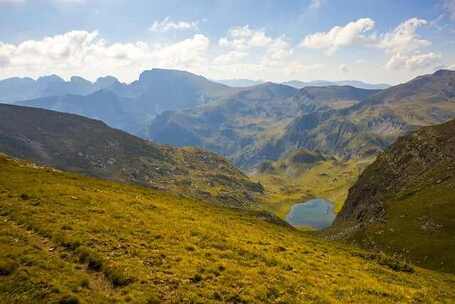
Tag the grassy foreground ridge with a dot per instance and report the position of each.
(65, 238)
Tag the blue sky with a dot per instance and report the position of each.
(278, 40)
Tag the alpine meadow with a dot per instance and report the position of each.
(240, 152)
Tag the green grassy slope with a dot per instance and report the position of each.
(287, 182)
(404, 203)
(65, 238)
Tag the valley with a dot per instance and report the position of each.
(221, 183)
(66, 238)
(227, 152)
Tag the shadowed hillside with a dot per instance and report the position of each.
(75, 143)
(404, 202)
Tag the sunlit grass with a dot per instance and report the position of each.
(67, 238)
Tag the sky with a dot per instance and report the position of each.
(378, 41)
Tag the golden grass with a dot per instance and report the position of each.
(65, 238)
(329, 179)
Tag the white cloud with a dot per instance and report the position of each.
(85, 53)
(188, 53)
(315, 4)
(243, 41)
(343, 68)
(414, 61)
(231, 57)
(297, 68)
(167, 24)
(243, 38)
(405, 47)
(340, 36)
(404, 37)
(277, 52)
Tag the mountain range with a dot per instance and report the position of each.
(129, 107)
(93, 214)
(18, 89)
(302, 84)
(267, 121)
(323, 83)
(253, 124)
(75, 143)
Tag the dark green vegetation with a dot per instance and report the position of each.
(75, 143)
(302, 175)
(404, 203)
(65, 238)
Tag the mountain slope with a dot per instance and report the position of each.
(118, 112)
(160, 90)
(240, 83)
(302, 175)
(322, 83)
(129, 107)
(370, 126)
(404, 202)
(65, 238)
(84, 145)
(240, 126)
(229, 125)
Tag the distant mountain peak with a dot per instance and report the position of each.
(444, 72)
(159, 72)
(79, 79)
(50, 78)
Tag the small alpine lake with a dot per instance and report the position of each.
(316, 213)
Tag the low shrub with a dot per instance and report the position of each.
(395, 264)
(196, 278)
(69, 300)
(7, 267)
(117, 276)
(94, 262)
(25, 197)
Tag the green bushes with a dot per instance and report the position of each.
(394, 263)
(115, 275)
(94, 262)
(69, 300)
(25, 197)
